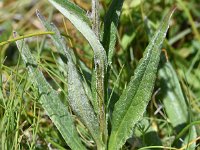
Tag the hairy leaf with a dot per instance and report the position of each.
(58, 40)
(77, 18)
(50, 101)
(80, 103)
(77, 94)
(132, 104)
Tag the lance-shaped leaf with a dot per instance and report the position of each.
(110, 27)
(50, 101)
(77, 93)
(132, 104)
(174, 102)
(80, 103)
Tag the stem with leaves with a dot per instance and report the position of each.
(100, 70)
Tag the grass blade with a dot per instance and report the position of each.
(134, 99)
(50, 101)
(110, 27)
(78, 99)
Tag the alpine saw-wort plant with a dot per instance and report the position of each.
(109, 128)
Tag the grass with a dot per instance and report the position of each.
(170, 119)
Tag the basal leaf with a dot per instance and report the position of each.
(50, 101)
(77, 91)
(110, 27)
(132, 104)
(175, 103)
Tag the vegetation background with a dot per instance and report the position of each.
(23, 122)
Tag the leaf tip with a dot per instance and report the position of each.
(173, 9)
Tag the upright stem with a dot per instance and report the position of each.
(100, 98)
(100, 69)
(95, 17)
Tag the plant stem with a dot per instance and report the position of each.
(100, 99)
(95, 17)
(100, 73)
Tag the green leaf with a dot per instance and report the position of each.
(80, 103)
(174, 102)
(78, 19)
(50, 101)
(132, 104)
(173, 98)
(58, 40)
(110, 27)
(77, 91)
